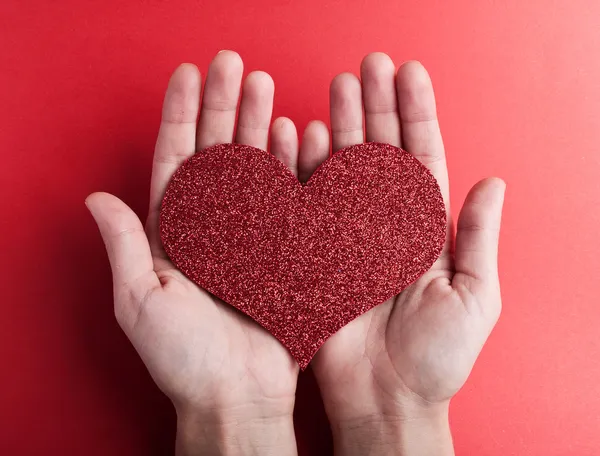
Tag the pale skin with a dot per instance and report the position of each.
(386, 378)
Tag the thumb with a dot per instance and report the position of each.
(477, 235)
(128, 253)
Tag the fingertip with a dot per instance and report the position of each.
(227, 52)
(185, 75)
(316, 124)
(317, 133)
(102, 203)
(483, 205)
(88, 199)
(314, 149)
(413, 79)
(284, 123)
(259, 84)
(260, 77)
(284, 142)
(227, 59)
(183, 91)
(344, 82)
(492, 188)
(413, 68)
(498, 183)
(187, 68)
(376, 61)
(107, 210)
(94, 200)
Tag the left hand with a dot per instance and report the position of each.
(233, 385)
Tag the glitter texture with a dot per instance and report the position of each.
(303, 260)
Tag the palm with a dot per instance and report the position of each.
(434, 333)
(422, 343)
(207, 348)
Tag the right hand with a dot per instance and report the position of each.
(387, 377)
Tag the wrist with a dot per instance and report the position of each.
(239, 431)
(413, 430)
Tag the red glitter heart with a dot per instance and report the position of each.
(303, 260)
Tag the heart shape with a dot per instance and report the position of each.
(303, 260)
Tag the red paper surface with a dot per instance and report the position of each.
(81, 87)
(303, 261)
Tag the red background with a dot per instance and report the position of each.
(81, 85)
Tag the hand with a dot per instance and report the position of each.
(232, 383)
(388, 376)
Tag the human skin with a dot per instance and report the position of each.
(232, 384)
(387, 377)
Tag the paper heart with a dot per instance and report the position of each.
(303, 260)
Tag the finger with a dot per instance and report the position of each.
(220, 100)
(128, 252)
(314, 149)
(284, 143)
(256, 109)
(478, 229)
(419, 125)
(382, 122)
(177, 134)
(345, 100)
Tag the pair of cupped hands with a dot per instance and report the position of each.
(386, 378)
